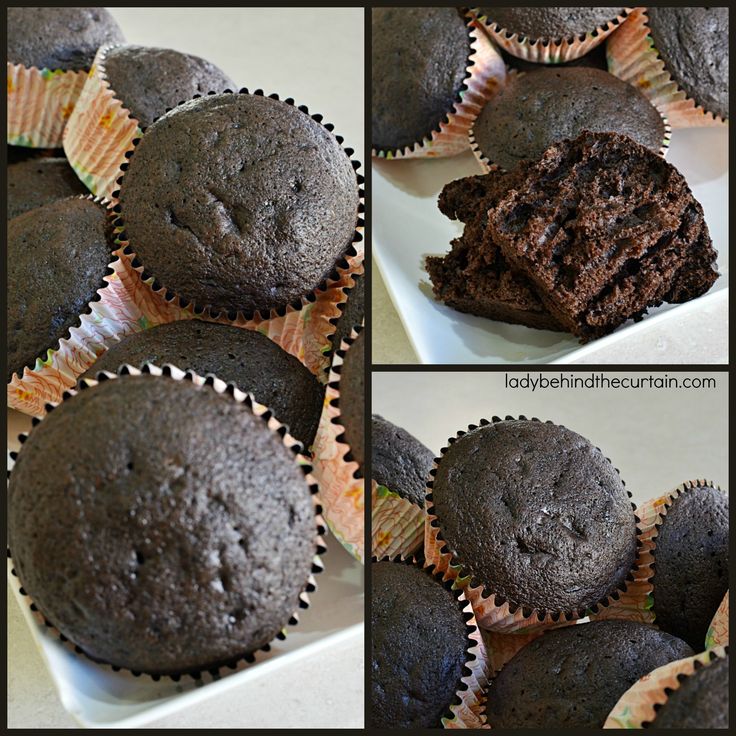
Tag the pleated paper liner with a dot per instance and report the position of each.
(493, 611)
(638, 706)
(488, 166)
(548, 51)
(397, 525)
(465, 710)
(341, 484)
(239, 660)
(302, 328)
(637, 602)
(100, 131)
(633, 58)
(717, 634)
(485, 72)
(40, 102)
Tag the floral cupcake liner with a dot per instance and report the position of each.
(485, 72)
(397, 525)
(341, 485)
(493, 611)
(548, 51)
(40, 102)
(488, 166)
(637, 602)
(638, 706)
(717, 634)
(633, 58)
(465, 710)
(239, 660)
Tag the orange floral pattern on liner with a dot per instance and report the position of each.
(209, 675)
(341, 491)
(397, 525)
(40, 102)
(636, 705)
(633, 58)
(548, 52)
(718, 630)
(100, 132)
(487, 72)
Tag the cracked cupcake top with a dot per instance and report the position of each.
(536, 513)
(239, 202)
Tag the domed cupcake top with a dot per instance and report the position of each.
(551, 24)
(239, 202)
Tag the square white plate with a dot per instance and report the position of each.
(407, 226)
(97, 697)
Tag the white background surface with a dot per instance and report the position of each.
(316, 57)
(657, 438)
(408, 226)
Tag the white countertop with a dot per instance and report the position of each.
(314, 55)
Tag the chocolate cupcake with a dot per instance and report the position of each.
(550, 35)
(701, 700)
(573, 676)
(161, 526)
(58, 256)
(693, 44)
(604, 229)
(691, 562)
(400, 462)
(352, 312)
(539, 108)
(352, 399)
(419, 643)
(244, 358)
(59, 38)
(535, 516)
(39, 181)
(149, 80)
(474, 277)
(239, 203)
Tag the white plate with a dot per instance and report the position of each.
(407, 226)
(97, 697)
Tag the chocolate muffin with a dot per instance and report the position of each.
(550, 24)
(352, 312)
(536, 514)
(693, 43)
(245, 358)
(573, 676)
(419, 642)
(420, 58)
(38, 181)
(691, 563)
(400, 462)
(474, 277)
(604, 229)
(239, 202)
(59, 38)
(701, 700)
(352, 399)
(58, 255)
(538, 108)
(159, 526)
(149, 81)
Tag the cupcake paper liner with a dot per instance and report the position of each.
(40, 102)
(488, 166)
(302, 328)
(100, 131)
(397, 525)
(718, 630)
(637, 602)
(239, 660)
(465, 711)
(633, 58)
(546, 51)
(485, 72)
(492, 610)
(638, 706)
(341, 485)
